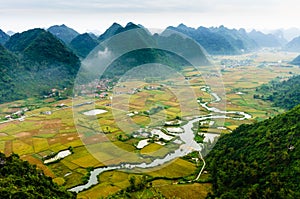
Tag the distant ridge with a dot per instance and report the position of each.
(116, 28)
(264, 40)
(219, 41)
(296, 61)
(293, 46)
(63, 32)
(3, 37)
(83, 44)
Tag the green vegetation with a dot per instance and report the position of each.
(63, 32)
(220, 40)
(285, 94)
(19, 179)
(144, 56)
(83, 44)
(260, 160)
(34, 63)
(3, 37)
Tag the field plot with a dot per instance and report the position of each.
(195, 191)
(47, 129)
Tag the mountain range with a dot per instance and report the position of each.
(63, 32)
(51, 58)
(224, 41)
(266, 40)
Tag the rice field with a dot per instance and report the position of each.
(41, 134)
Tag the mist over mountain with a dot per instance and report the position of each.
(3, 37)
(219, 41)
(149, 54)
(294, 45)
(296, 61)
(51, 58)
(10, 33)
(264, 40)
(92, 35)
(288, 34)
(63, 32)
(237, 38)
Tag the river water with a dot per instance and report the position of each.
(187, 146)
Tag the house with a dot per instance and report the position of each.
(47, 113)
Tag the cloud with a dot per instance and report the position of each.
(137, 6)
(90, 14)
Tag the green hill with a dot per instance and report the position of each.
(63, 32)
(34, 62)
(260, 160)
(83, 44)
(38, 45)
(8, 67)
(156, 49)
(116, 28)
(19, 179)
(284, 94)
(219, 41)
(3, 37)
(239, 39)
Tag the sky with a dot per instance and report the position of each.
(98, 15)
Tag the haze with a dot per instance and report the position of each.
(92, 15)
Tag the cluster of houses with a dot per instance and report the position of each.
(97, 88)
(133, 91)
(230, 63)
(54, 93)
(19, 114)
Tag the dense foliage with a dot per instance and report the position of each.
(33, 63)
(221, 40)
(144, 56)
(285, 94)
(260, 160)
(3, 37)
(8, 67)
(19, 179)
(83, 44)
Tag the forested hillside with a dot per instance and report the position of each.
(285, 94)
(19, 179)
(260, 160)
(34, 62)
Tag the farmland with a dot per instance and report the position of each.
(41, 134)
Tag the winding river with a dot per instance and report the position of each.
(188, 143)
